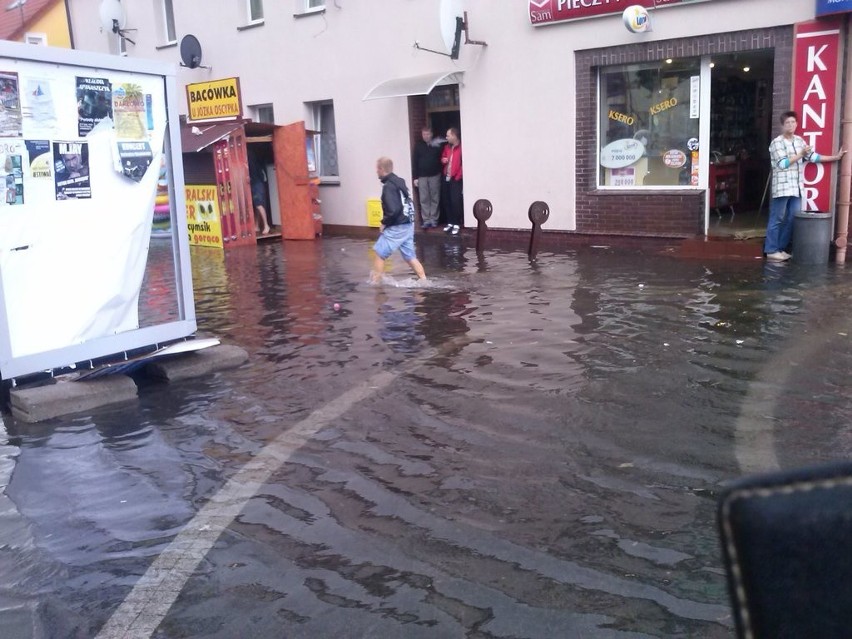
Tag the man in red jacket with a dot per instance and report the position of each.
(451, 194)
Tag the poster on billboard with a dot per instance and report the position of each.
(12, 173)
(10, 105)
(129, 113)
(40, 157)
(71, 166)
(94, 103)
(134, 157)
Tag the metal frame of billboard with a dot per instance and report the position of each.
(12, 367)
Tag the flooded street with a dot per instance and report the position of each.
(515, 450)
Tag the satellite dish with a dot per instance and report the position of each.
(449, 11)
(112, 16)
(190, 51)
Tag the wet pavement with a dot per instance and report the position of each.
(514, 450)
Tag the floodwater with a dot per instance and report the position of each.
(514, 450)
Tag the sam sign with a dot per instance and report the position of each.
(214, 100)
(816, 64)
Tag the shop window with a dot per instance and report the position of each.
(649, 124)
(254, 10)
(325, 140)
(263, 113)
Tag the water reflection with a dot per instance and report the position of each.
(546, 432)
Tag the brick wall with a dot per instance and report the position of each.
(643, 212)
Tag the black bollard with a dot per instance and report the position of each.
(481, 211)
(538, 214)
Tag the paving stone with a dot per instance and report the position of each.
(67, 396)
(197, 364)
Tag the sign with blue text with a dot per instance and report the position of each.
(830, 7)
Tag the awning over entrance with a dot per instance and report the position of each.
(413, 85)
(196, 137)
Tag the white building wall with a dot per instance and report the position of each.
(517, 99)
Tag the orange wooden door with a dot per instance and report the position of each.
(291, 174)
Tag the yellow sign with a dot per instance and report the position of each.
(202, 215)
(214, 100)
(374, 212)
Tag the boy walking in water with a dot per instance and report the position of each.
(397, 229)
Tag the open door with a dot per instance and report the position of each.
(297, 190)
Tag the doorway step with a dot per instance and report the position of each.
(720, 248)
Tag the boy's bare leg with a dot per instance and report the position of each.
(261, 225)
(417, 267)
(378, 269)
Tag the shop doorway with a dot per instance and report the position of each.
(741, 129)
(440, 110)
(262, 184)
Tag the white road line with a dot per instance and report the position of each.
(149, 601)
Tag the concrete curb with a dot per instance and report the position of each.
(203, 362)
(66, 396)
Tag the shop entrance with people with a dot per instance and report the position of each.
(442, 113)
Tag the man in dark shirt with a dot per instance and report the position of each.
(427, 176)
(397, 229)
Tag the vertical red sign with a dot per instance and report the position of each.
(816, 60)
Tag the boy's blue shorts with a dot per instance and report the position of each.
(396, 237)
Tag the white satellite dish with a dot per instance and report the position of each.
(449, 11)
(112, 16)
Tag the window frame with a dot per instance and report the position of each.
(258, 109)
(250, 17)
(315, 109)
(169, 27)
(305, 8)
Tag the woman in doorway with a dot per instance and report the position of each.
(788, 153)
(451, 195)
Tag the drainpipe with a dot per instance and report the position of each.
(841, 238)
(68, 20)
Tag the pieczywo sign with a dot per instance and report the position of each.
(816, 64)
(544, 12)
